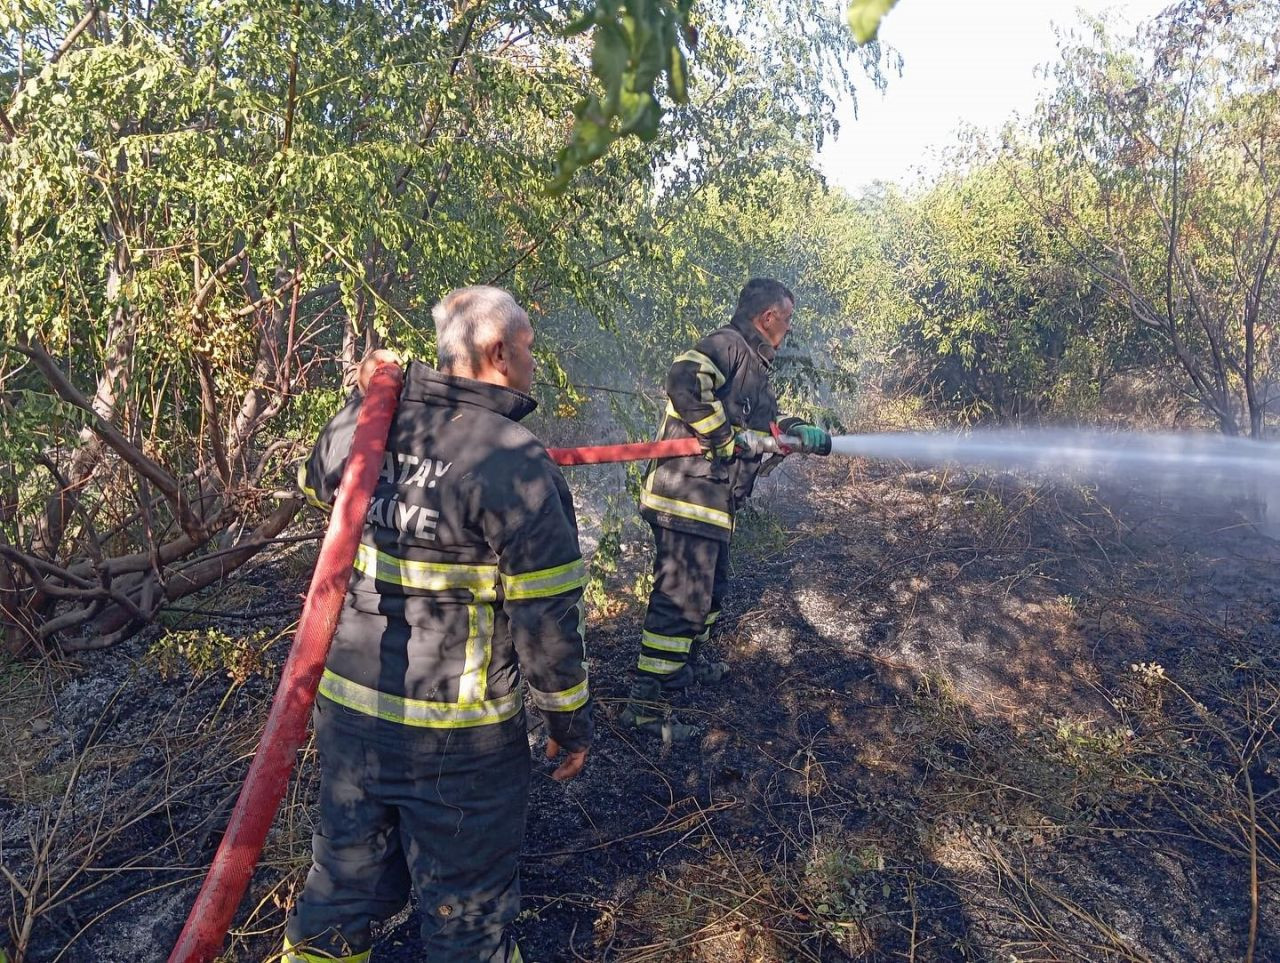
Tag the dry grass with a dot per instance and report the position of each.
(128, 812)
(1052, 803)
(940, 751)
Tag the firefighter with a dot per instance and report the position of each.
(713, 391)
(468, 578)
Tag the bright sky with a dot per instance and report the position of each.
(963, 63)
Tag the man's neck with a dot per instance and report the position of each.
(488, 376)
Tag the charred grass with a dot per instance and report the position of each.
(971, 718)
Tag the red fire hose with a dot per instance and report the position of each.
(639, 451)
(268, 778)
(773, 442)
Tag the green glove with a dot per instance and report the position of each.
(812, 439)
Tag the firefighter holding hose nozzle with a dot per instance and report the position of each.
(715, 390)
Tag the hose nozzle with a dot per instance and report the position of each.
(760, 443)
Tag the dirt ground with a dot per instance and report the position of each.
(972, 717)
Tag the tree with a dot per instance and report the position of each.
(1159, 162)
(207, 207)
(992, 318)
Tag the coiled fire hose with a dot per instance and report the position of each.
(286, 728)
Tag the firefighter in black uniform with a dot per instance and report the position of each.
(713, 391)
(467, 578)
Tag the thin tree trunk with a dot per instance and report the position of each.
(111, 383)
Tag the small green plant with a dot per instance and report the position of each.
(604, 562)
(758, 534)
(840, 885)
(989, 514)
(200, 651)
(642, 587)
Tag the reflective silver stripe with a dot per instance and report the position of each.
(482, 580)
(660, 666)
(566, 700)
(710, 423)
(705, 425)
(705, 634)
(697, 513)
(705, 366)
(545, 582)
(313, 499)
(292, 955)
(418, 712)
(665, 643)
(475, 673)
(709, 379)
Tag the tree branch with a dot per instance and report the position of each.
(111, 435)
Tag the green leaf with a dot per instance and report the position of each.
(677, 77)
(609, 62)
(865, 16)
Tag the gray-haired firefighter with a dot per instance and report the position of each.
(714, 390)
(467, 578)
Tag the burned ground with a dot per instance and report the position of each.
(971, 717)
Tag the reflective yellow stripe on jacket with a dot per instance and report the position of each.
(418, 712)
(545, 582)
(482, 580)
(673, 506)
(474, 682)
(703, 426)
(710, 378)
(472, 708)
(313, 498)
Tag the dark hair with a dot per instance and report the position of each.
(759, 295)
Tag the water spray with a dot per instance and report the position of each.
(1092, 454)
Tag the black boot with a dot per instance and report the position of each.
(705, 672)
(648, 711)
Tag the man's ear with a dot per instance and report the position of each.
(496, 355)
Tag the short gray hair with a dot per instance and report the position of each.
(468, 320)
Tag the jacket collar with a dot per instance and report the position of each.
(426, 384)
(751, 334)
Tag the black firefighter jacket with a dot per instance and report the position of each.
(468, 572)
(713, 390)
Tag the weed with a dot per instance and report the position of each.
(758, 535)
(839, 884)
(200, 651)
(604, 563)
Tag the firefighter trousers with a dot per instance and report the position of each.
(690, 578)
(441, 812)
